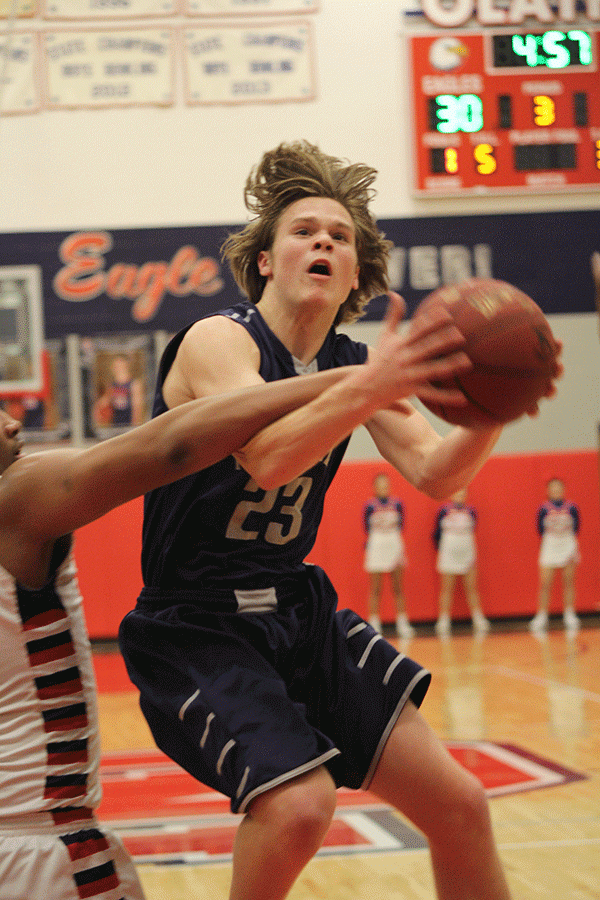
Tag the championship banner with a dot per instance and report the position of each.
(128, 281)
(24, 8)
(235, 64)
(108, 9)
(248, 7)
(19, 55)
(120, 67)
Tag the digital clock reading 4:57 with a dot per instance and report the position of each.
(506, 111)
(551, 50)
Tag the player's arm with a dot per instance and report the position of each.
(48, 494)
(402, 364)
(437, 466)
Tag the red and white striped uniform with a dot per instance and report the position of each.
(51, 846)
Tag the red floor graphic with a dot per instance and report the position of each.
(165, 816)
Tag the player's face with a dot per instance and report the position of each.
(313, 257)
(10, 442)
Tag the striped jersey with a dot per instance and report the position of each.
(49, 740)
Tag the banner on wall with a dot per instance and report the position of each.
(136, 280)
(233, 64)
(18, 8)
(19, 89)
(249, 7)
(120, 67)
(108, 9)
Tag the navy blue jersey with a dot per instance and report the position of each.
(217, 527)
(121, 403)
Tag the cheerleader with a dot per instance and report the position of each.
(454, 538)
(383, 518)
(558, 525)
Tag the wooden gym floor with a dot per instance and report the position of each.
(521, 711)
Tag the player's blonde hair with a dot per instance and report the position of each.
(289, 173)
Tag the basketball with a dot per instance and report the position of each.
(510, 344)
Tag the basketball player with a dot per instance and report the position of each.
(558, 524)
(454, 537)
(122, 402)
(249, 677)
(51, 846)
(383, 518)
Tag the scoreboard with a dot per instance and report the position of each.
(506, 111)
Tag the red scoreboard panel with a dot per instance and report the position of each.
(506, 111)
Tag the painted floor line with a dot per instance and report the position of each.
(543, 682)
(534, 845)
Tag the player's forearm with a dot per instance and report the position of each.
(223, 423)
(87, 484)
(437, 466)
(298, 441)
(456, 460)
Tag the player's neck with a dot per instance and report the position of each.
(301, 330)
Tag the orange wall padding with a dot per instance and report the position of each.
(506, 493)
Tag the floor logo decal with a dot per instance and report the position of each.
(165, 816)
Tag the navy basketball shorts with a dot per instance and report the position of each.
(245, 701)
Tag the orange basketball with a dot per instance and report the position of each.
(510, 344)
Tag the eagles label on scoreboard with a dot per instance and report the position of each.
(507, 111)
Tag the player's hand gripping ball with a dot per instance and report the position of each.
(510, 344)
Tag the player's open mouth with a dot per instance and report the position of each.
(320, 268)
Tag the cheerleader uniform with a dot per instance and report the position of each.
(455, 539)
(383, 520)
(558, 525)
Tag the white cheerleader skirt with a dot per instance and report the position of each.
(384, 551)
(557, 550)
(456, 554)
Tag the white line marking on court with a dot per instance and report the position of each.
(543, 682)
(379, 837)
(532, 845)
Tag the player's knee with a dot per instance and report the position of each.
(308, 823)
(470, 812)
(302, 811)
(462, 815)
(311, 806)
